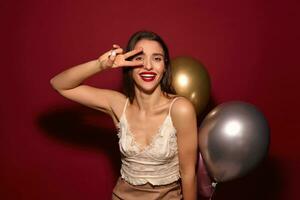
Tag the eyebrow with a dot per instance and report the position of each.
(142, 53)
(154, 54)
(158, 54)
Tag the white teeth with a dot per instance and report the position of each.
(148, 75)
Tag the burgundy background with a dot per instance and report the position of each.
(52, 148)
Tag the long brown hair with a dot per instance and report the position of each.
(166, 81)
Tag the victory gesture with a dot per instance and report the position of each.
(115, 58)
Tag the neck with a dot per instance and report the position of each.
(147, 102)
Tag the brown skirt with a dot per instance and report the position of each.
(126, 191)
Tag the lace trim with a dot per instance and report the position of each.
(118, 127)
(123, 128)
(153, 138)
(154, 181)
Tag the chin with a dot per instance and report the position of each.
(148, 89)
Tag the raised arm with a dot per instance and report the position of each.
(184, 119)
(68, 82)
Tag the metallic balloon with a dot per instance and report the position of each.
(191, 80)
(233, 139)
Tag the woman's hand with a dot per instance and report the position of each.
(115, 58)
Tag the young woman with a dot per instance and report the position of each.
(157, 129)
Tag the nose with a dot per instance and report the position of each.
(147, 64)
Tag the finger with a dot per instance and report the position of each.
(107, 53)
(118, 50)
(115, 46)
(133, 52)
(134, 63)
(114, 52)
(112, 55)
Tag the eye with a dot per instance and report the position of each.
(138, 58)
(158, 58)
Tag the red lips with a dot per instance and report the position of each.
(147, 76)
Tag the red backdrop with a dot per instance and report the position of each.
(55, 149)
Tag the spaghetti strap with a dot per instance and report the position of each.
(125, 106)
(172, 104)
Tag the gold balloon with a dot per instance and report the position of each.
(191, 80)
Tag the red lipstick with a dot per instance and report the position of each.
(147, 76)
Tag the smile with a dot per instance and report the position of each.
(147, 76)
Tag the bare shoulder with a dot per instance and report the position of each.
(182, 107)
(183, 114)
(184, 120)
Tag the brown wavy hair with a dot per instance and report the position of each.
(166, 81)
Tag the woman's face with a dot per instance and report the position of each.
(147, 77)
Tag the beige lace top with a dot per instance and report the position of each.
(157, 163)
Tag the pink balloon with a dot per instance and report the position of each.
(205, 188)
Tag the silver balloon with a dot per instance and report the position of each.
(233, 139)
